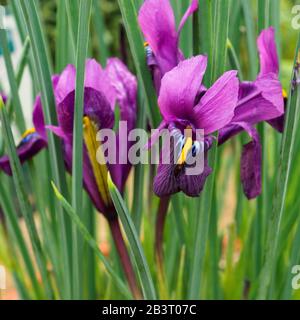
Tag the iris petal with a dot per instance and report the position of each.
(179, 88)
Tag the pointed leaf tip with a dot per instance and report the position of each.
(57, 193)
(1, 103)
(110, 183)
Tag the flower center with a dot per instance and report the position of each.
(148, 50)
(93, 148)
(28, 132)
(187, 145)
(27, 135)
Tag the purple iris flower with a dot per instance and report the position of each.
(183, 104)
(32, 142)
(103, 90)
(157, 21)
(260, 100)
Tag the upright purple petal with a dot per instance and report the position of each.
(38, 114)
(179, 88)
(96, 107)
(124, 90)
(66, 83)
(267, 52)
(193, 7)
(97, 79)
(38, 118)
(157, 21)
(216, 107)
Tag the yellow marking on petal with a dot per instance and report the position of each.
(146, 44)
(284, 93)
(28, 132)
(100, 170)
(187, 146)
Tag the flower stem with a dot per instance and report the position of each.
(159, 230)
(124, 257)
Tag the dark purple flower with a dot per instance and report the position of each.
(157, 21)
(260, 100)
(184, 105)
(103, 89)
(32, 141)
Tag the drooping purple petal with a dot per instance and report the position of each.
(166, 182)
(33, 142)
(193, 7)
(29, 147)
(277, 123)
(157, 21)
(216, 107)
(264, 100)
(228, 132)
(267, 52)
(170, 179)
(251, 160)
(192, 185)
(179, 88)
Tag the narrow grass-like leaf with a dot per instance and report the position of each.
(83, 37)
(206, 10)
(234, 59)
(98, 21)
(202, 225)
(42, 67)
(135, 39)
(263, 11)
(19, 183)
(14, 92)
(139, 172)
(19, 239)
(20, 70)
(73, 14)
(221, 29)
(135, 245)
(251, 42)
(286, 154)
(63, 54)
(92, 242)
